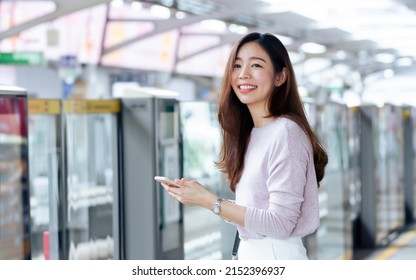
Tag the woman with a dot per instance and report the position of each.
(272, 158)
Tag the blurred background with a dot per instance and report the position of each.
(98, 97)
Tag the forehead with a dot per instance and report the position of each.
(252, 50)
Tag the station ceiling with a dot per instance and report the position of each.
(367, 35)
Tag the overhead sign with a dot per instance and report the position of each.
(21, 58)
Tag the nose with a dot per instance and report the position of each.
(244, 73)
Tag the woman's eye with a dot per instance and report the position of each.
(256, 65)
(237, 66)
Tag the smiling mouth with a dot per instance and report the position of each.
(246, 87)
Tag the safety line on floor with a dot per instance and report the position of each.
(402, 242)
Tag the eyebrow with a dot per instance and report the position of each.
(252, 58)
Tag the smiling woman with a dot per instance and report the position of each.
(273, 160)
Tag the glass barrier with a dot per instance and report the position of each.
(412, 173)
(205, 233)
(382, 206)
(92, 179)
(354, 174)
(44, 169)
(333, 237)
(395, 213)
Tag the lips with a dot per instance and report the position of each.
(246, 88)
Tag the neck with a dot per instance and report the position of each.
(259, 118)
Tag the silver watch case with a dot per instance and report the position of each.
(216, 208)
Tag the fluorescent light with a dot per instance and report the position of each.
(404, 61)
(388, 73)
(385, 58)
(180, 15)
(160, 11)
(136, 5)
(215, 25)
(352, 99)
(341, 55)
(239, 29)
(117, 3)
(312, 48)
(284, 39)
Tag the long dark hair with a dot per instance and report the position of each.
(235, 119)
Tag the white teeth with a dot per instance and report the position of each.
(246, 87)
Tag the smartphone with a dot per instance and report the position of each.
(167, 181)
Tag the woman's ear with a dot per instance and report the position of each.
(281, 77)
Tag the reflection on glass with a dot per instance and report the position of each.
(333, 239)
(201, 145)
(169, 166)
(90, 197)
(394, 168)
(44, 200)
(381, 174)
(14, 188)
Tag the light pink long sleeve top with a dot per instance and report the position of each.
(278, 185)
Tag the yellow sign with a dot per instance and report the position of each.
(354, 109)
(44, 106)
(406, 114)
(91, 106)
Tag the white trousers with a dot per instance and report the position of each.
(272, 249)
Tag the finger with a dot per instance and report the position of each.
(176, 191)
(186, 182)
(168, 186)
(180, 182)
(175, 196)
(165, 186)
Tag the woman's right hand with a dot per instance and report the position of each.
(192, 193)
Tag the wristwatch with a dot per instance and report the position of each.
(216, 207)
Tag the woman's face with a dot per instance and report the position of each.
(253, 77)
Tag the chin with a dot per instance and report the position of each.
(244, 100)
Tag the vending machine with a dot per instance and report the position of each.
(14, 179)
(152, 221)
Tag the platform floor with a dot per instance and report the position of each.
(403, 247)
